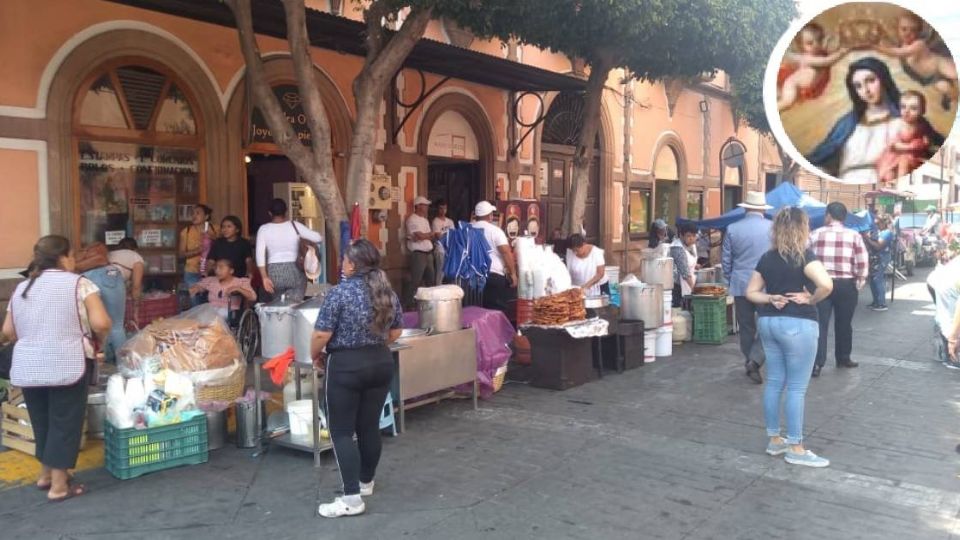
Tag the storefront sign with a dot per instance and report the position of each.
(112, 238)
(292, 107)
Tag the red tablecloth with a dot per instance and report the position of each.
(494, 335)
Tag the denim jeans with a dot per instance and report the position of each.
(190, 279)
(790, 345)
(878, 281)
(113, 292)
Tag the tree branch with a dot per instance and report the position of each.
(376, 34)
(317, 120)
(263, 96)
(399, 46)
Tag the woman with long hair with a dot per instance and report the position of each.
(233, 246)
(788, 282)
(853, 146)
(51, 318)
(358, 319)
(195, 240)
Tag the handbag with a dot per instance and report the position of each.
(91, 256)
(308, 260)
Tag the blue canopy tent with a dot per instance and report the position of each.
(786, 194)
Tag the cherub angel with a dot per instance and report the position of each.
(804, 74)
(924, 57)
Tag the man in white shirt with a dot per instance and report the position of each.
(441, 224)
(502, 279)
(420, 239)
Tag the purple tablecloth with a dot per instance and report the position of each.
(494, 335)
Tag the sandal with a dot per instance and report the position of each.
(74, 490)
(46, 486)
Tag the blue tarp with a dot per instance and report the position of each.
(786, 194)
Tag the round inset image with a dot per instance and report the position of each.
(866, 92)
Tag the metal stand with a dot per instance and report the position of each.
(286, 439)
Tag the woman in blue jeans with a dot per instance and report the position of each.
(113, 292)
(879, 261)
(787, 283)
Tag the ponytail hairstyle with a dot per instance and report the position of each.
(366, 258)
(46, 256)
(791, 229)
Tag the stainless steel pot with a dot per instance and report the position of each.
(440, 315)
(276, 326)
(642, 302)
(594, 302)
(658, 271)
(706, 275)
(304, 318)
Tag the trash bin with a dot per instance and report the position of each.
(217, 429)
(247, 436)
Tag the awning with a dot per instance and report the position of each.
(346, 36)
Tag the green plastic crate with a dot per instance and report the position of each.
(130, 453)
(709, 319)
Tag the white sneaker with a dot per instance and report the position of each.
(366, 490)
(807, 459)
(338, 508)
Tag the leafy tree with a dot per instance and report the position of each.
(748, 103)
(652, 39)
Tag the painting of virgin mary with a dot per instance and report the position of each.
(856, 141)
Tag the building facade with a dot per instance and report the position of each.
(121, 115)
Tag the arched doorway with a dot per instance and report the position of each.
(138, 147)
(666, 172)
(457, 140)
(561, 130)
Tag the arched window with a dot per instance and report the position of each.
(138, 146)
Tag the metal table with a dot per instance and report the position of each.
(424, 365)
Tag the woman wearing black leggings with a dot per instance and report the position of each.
(358, 319)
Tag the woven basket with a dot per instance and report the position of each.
(499, 377)
(229, 391)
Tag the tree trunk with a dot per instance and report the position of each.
(385, 56)
(576, 202)
(788, 167)
(313, 166)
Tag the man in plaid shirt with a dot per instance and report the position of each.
(843, 253)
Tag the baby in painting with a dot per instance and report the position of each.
(924, 60)
(805, 74)
(912, 145)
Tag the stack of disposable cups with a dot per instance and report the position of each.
(664, 346)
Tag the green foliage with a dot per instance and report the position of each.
(654, 39)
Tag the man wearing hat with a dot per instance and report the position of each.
(932, 223)
(420, 239)
(502, 279)
(743, 245)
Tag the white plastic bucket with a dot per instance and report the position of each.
(612, 273)
(664, 346)
(649, 346)
(668, 307)
(300, 417)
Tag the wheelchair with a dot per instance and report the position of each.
(243, 323)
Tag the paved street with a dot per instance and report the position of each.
(672, 450)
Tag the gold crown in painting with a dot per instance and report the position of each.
(860, 33)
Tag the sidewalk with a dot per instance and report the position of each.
(671, 450)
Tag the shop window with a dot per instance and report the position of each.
(695, 205)
(639, 205)
(667, 201)
(141, 177)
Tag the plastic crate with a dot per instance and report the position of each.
(130, 453)
(709, 319)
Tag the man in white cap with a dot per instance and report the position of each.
(420, 239)
(502, 279)
(743, 245)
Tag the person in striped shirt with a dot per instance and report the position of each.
(845, 257)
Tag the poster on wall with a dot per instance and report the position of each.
(122, 184)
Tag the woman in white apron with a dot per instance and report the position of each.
(683, 250)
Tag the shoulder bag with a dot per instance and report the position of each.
(308, 260)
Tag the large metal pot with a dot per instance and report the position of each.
(276, 326)
(642, 302)
(658, 271)
(304, 318)
(96, 412)
(440, 315)
(706, 275)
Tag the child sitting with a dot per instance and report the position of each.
(221, 285)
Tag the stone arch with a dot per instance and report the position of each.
(127, 45)
(278, 69)
(604, 150)
(671, 141)
(476, 117)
